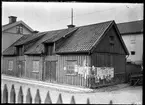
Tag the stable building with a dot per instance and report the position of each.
(70, 56)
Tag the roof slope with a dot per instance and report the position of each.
(11, 49)
(50, 36)
(84, 38)
(130, 27)
(7, 26)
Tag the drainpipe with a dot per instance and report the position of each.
(126, 75)
(42, 55)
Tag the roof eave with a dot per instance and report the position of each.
(73, 52)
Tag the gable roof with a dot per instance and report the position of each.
(131, 27)
(7, 26)
(82, 39)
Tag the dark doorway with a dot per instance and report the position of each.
(21, 68)
(50, 71)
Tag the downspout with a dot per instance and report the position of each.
(42, 55)
(126, 75)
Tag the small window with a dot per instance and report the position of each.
(35, 66)
(111, 38)
(49, 49)
(132, 52)
(20, 51)
(19, 29)
(71, 66)
(10, 67)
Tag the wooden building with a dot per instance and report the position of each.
(68, 56)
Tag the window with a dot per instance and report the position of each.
(19, 29)
(132, 39)
(10, 65)
(132, 52)
(71, 66)
(20, 50)
(111, 38)
(35, 66)
(49, 49)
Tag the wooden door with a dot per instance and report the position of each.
(21, 68)
(50, 71)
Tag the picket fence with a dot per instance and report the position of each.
(37, 99)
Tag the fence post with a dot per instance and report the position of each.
(48, 99)
(88, 101)
(111, 102)
(28, 96)
(72, 100)
(5, 94)
(20, 95)
(59, 101)
(37, 97)
(12, 95)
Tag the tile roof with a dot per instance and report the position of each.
(84, 38)
(31, 38)
(130, 27)
(50, 36)
(11, 49)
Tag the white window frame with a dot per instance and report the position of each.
(10, 65)
(35, 66)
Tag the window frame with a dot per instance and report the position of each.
(49, 49)
(132, 52)
(20, 50)
(111, 39)
(10, 68)
(70, 65)
(34, 66)
(19, 29)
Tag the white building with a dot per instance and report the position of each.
(132, 34)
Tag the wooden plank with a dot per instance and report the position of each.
(37, 97)
(12, 95)
(5, 94)
(20, 95)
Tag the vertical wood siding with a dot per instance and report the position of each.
(109, 60)
(104, 45)
(62, 76)
(29, 67)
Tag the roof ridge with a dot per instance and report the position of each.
(95, 23)
(129, 22)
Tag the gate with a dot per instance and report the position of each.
(50, 71)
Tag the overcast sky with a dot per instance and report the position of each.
(45, 16)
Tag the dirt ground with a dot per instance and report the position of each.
(119, 94)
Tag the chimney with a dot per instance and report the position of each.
(12, 19)
(71, 25)
(35, 32)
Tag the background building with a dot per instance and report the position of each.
(132, 34)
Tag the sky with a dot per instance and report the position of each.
(45, 16)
